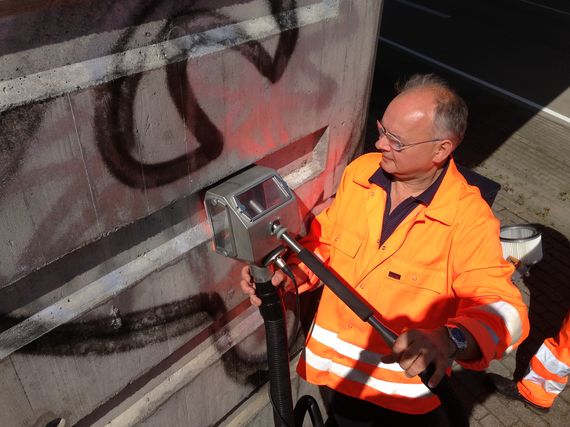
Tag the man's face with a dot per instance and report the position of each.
(409, 118)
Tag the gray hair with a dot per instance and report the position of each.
(450, 109)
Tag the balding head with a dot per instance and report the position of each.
(450, 111)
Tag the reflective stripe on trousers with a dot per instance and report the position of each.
(549, 369)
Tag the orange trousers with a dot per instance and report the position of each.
(549, 369)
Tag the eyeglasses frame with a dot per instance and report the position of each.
(393, 139)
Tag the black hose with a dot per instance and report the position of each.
(308, 404)
(297, 325)
(273, 313)
(347, 295)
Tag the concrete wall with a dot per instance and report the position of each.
(114, 118)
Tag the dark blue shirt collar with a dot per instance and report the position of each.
(384, 180)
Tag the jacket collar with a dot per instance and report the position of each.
(443, 206)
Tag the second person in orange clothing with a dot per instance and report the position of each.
(547, 374)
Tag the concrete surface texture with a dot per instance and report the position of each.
(114, 119)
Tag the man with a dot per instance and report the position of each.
(547, 373)
(409, 234)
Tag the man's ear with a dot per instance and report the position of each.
(443, 151)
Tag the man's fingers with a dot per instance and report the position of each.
(414, 351)
(247, 287)
(436, 377)
(398, 349)
(277, 278)
(245, 274)
(254, 300)
(419, 365)
(423, 358)
(412, 362)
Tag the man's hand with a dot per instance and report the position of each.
(414, 350)
(248, 286)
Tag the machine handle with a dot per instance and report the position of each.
(346, 294)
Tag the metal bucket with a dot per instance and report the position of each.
(522, 242)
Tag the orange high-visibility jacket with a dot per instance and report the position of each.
(443, 264)
(549, 369)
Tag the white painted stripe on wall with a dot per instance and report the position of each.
(100, 291)
(81, 75)
(149, 403)
(352, 374)
(525, 101)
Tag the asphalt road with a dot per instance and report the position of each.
(518, 47)
(510, 60)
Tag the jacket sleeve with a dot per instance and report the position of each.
(490, 305)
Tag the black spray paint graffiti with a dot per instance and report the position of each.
(116, 139)
(17, 128)
(114, 127)
(244, 368)
(122, 333)
(114, 123)
(114, 118)
(126, 332)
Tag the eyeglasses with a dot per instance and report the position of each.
(394, 141)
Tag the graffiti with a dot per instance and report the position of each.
(239, 366)
(116, 133)
(119, 333)
(74, 168)
(117, 140)
(17, 128)
(115, 129)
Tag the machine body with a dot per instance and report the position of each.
(242, 209)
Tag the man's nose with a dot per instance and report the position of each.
(382, 143)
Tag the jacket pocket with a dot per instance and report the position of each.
(417, 276)
(346, 241)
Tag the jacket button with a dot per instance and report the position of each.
(414, 278)
(383, 247)
(372, 194)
